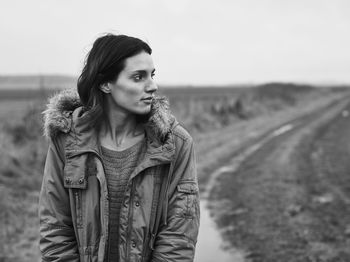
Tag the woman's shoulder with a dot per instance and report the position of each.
(181, 134)
(58, 114)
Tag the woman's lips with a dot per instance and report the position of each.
(147, 100)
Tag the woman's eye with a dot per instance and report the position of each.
(137, 77)
(152, 76)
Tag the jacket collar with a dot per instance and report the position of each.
(65, 114)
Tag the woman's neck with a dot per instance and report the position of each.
(120, 129)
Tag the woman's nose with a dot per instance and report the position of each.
(151, 87)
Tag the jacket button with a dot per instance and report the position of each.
(81, 180)
(137, 203)
(68, 180)
(133, 244)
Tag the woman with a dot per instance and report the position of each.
(120, 180)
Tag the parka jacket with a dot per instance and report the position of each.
(159, 217)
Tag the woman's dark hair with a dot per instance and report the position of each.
(103, 64)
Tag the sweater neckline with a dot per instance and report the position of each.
(123, 153)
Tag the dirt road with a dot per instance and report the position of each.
(288, 198)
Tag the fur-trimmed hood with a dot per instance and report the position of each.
(58, 116)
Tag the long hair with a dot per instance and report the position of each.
(103, 64)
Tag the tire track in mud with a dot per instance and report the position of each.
(234, 204)
(234, 165)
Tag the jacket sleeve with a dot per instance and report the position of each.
(176, 240)
(57, 237)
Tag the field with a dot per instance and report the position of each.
(221, 121)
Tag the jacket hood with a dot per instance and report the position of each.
(58, 115)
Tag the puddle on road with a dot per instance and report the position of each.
(210, 245)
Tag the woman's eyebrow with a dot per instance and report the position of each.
(142, 71)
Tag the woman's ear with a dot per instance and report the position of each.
(105, 88)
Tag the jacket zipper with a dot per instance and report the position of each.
(131, 214)
(107, 239)
(103, 199)
(78, 209)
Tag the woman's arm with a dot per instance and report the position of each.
(57, 237)
(177, 239)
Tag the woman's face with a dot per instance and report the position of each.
(134, 88)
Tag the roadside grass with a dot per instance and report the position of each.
(219, 125)
(22, 157)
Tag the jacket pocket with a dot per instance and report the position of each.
(187, 198)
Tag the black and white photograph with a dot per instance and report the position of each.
(175, 131)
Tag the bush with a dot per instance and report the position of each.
(282, 92)
(26, 128)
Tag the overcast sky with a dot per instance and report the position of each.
(193, 42)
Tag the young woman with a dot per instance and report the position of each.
(120, 178)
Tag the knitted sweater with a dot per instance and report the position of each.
(118, 167)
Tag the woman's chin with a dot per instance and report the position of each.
(143, 111)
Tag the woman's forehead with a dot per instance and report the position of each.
(142, 61)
